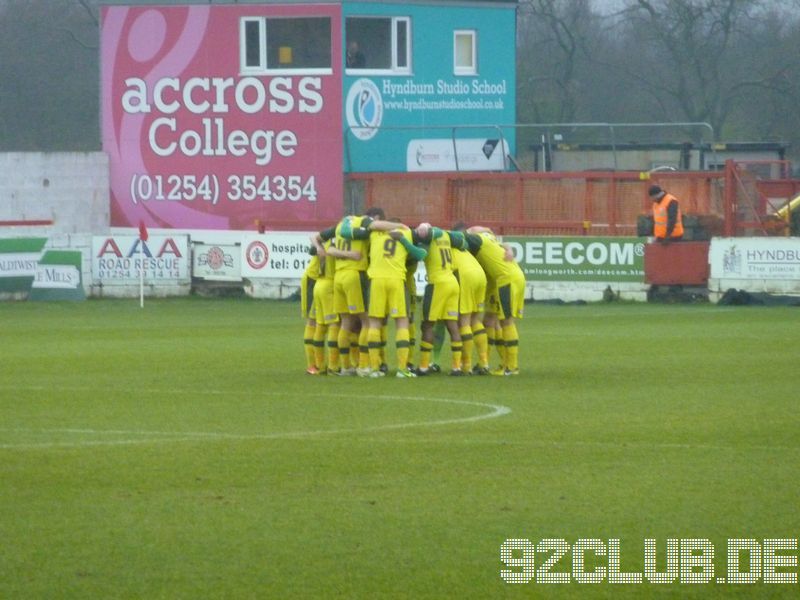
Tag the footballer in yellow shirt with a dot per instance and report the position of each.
(389, 252)
(440, 302)
(506, 292)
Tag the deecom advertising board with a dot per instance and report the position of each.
(208, 125)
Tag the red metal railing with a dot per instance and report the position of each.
(731, 202)
(27, 223)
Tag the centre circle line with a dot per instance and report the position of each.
(495, 411)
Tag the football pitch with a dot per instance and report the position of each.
(180, 451)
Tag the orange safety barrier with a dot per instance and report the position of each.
(570, 203)
(591, 203)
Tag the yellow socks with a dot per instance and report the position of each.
(308, 344)
(511, 342)
(403, 348)
(480, 339)
(374, 345)
(425, 349)
(319, 345)
(343, 340)
(333, 347)
(455, 348)
(466, 348)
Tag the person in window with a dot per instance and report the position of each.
(355, 57)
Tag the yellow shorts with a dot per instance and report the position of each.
(492, 300)
(323, 302)
(440, 302)
(472, 292)
(350, 292)
(387, 298)
(511, 297)
(306, 296)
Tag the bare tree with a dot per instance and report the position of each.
(49, 86)
(554, 39)
(694, 59)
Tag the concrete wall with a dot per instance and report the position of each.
(69, 188)
(645, 159)
(641, 160)
(591, 291)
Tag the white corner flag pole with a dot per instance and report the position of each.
(142, 239)
(141, 276)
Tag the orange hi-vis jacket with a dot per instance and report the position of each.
(660, 218)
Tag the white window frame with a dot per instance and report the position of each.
(395, 68)
(244, 68)
(263, 67)
(461, 69)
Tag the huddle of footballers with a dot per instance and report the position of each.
(361, 276)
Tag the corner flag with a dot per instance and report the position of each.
(143, 238)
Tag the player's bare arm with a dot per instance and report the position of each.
(380, 225)
(316, 241)
(345, 254)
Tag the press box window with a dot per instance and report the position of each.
(384, 44)
(286, 44)
(465, 55)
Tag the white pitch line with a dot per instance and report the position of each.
(90, 443)
(113, 432)
(496, 410)
(606, 445)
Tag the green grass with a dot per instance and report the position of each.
(181, 452)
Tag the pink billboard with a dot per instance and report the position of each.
(223, 117)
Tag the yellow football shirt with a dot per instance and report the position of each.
(387, 256)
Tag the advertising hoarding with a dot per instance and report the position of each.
(604, 259)
(755, 258)
(195, 141)
(18, 260)
(480, 154)
(275, 255)
(217, 262)
(585, 258)
(58, 276)
(415, 111)
(119, 259)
